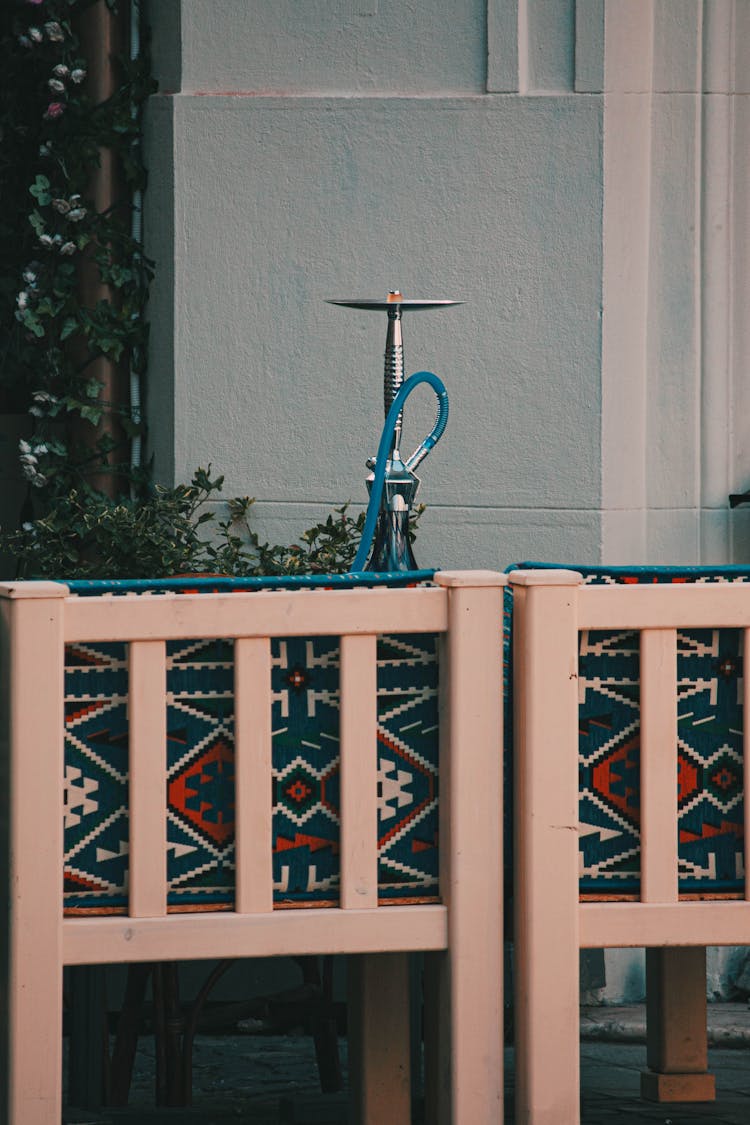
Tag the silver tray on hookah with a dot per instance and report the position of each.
(391, 300)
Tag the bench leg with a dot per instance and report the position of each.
(379, 1078)
(677, 1039)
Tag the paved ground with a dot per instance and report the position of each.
(272, 1080)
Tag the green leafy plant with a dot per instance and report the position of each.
(170, 532)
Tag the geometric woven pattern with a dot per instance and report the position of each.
(199, 804)
(709, 782)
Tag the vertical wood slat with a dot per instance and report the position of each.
(746, 754)
(147, 724)
(359, 772)
(253, 808)
(658, 678)
(31, 852)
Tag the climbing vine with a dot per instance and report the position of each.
(53, 136)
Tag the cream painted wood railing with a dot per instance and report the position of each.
(550, 608)
(462, 934)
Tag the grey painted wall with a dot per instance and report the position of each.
(266, 197)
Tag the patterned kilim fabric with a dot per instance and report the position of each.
(199, 802)
(710, 764)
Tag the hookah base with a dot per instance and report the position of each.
(392, 547)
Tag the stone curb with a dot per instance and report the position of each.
(728, 1024)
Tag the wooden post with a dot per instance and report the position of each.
(378, 984)
(545, 700)
(103, 34)
(464, 987)
(675, 977)
(378, 1001)
(677, 1038)
(31, 863)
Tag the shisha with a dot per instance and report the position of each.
(392, 482)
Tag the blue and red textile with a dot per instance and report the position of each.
(709, 782)
(199, 797)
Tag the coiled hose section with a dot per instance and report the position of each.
(386, 437)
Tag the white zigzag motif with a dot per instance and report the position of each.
(76, 799)
(392, 789)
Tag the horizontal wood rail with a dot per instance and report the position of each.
(277, 613)
(89, 941)
(716, 605)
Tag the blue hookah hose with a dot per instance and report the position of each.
(386, 437)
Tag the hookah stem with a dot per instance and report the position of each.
(393, 374)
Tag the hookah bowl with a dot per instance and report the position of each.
(391, 549)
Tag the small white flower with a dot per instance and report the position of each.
(75, 200)
(43, 396)
(77, 214)
(41, 449)
(35, 35)
(46, 241)
(57, 239)
(22, 300)
(68, 248)
(56, 85)
(29, 275)
(54, 31)
(60, 71)
(27, 526)
(36, 411)
(77, 75)
(61, 206)
(24, 446)
(28, 460)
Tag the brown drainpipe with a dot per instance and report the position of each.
(104, 37)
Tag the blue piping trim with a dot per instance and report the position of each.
(700, 571)
(348, 581)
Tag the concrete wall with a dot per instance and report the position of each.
(345, 148)
(571, 169)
